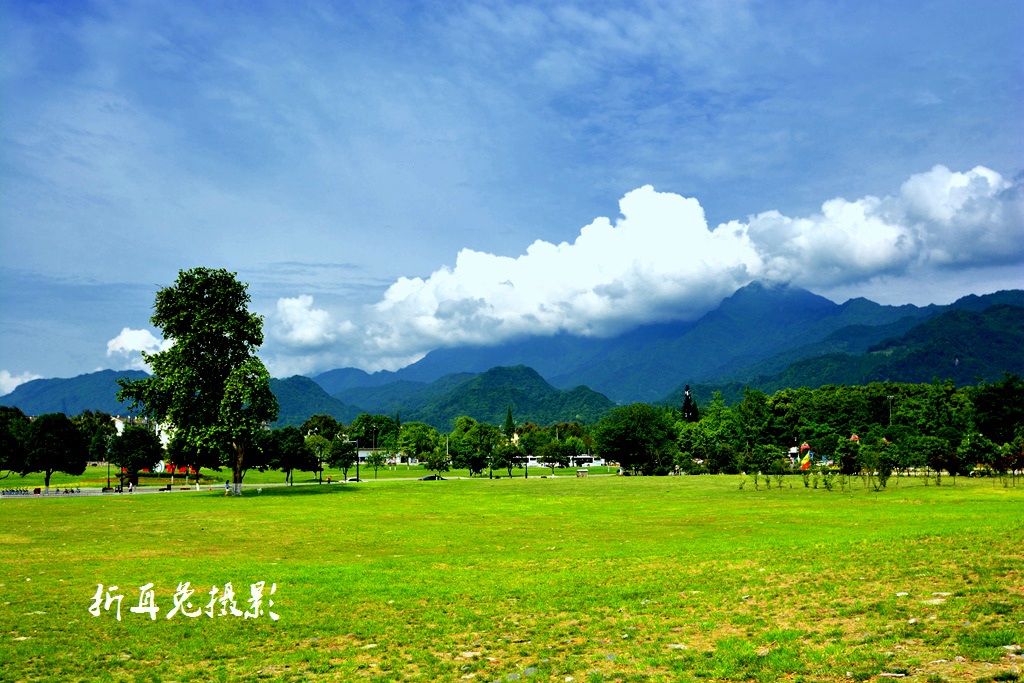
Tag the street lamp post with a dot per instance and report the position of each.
(374, 430)
(357, 458)
(320, 462)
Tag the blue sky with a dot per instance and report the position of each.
(392, 177)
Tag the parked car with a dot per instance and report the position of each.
(432, 477)
(353, 479)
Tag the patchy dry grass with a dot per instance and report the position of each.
(600, 579)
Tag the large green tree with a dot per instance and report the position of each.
(136, 448)
(639, 437)
(371, 431)
(437, 460)
(208, 384)
(286, 450)
(181, 453)
(342, 454)
(417, 440)
(13, 439)
(321, 448)
(507, 455)
(479, 443)
(555, 454)
(324, 425)
(1000, 409)
(54, 445)
(98, 428)
(509, 429)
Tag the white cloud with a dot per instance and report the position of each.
(660, 261)
(128, 345)
(302, 325)
(962, 219)
(9, 382)
(939, 219)
(302, 338)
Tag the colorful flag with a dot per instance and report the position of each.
(805, 464)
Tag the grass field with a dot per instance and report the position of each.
(599, 579)
(96, 477)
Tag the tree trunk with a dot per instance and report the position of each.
(236, 489)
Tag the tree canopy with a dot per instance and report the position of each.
(285, 449)
(54, 445)
(207, 384)
(136, 448)
(639, 437)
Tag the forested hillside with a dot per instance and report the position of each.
(758, 332)
(962, 346)
(856, 343)
(486, 398)
(71, 396)
(299, 397)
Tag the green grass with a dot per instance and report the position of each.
(600, 579)
(96, 477)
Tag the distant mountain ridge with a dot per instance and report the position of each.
(765, 337)
(761, 329)
(298, 397)
(964, 346)
(93, 391)
(486, 397)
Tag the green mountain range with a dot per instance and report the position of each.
(298, 397)
(486, 397)
(760, 330)
(764, 337)
(960, 345)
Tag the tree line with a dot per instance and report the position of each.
(878, 427)
(881, 427)
(215, 392)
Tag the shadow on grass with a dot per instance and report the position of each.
(313, 490)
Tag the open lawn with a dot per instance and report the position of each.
(96, 477)
(598, 579)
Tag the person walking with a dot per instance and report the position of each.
(227, 487)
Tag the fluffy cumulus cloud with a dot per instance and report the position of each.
(9, 382)
(939, 219)
(127, 346)
(660, 260)
(302, 337)
(302, 326)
